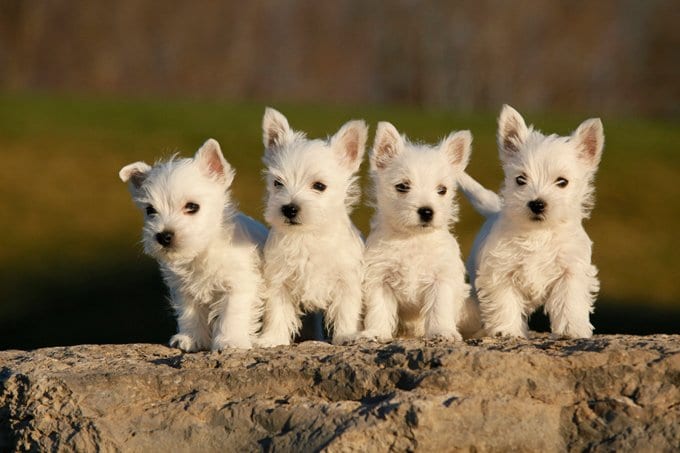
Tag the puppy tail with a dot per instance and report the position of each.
(250, 230)
(485, 201)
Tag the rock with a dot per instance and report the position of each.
(608, 393)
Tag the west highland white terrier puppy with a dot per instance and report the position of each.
(533, 250)
(313, 256)
(414, 281)
(207, 251)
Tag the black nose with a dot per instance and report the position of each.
(537, 206)
(165, 238)
(425, 214)
(290, 210)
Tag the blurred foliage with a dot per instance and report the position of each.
(72, 269)
(608, 56)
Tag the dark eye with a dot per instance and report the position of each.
(191, 208)
(319, 186)
(521, 180)
(150, 210)
(561, 182)
(441, 190)
(402, 187)
(278, 183)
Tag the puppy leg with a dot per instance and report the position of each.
(381, 313)
(503, 312)
(469, 320)
(571, 303)
(344, 312)
(281, 320)
(232, 325)
(192, 327)
(441, 308)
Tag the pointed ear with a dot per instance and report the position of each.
(512, 131)
(458, 146)
(387, 144)
(212, 163)
(275, 128)
(589, 140)
(349, 144)
(134, 174)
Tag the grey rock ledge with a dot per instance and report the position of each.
(613, 393)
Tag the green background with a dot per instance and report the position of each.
(71, 263)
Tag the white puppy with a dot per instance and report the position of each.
(533, 250)
(414, 278)
(314, 253)
(208, 252)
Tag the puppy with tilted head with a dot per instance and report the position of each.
(533, 250)
(414, 278)
(207, 250)
(312, 258)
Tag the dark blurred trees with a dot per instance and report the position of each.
(607, 55)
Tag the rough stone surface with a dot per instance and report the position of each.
(613, 393)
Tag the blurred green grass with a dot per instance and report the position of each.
(71, 266)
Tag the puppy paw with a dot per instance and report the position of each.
(345, 339)
(572, 334)
(223, 342)
(444, 335)
(374, 335)
(508, 334)
(184, 342)
(270, 342)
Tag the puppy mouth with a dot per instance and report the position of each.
(291, 222)
(537, 218)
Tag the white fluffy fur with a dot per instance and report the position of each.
(313, 261)
(522, 260)
(414, 278)
(212, 265)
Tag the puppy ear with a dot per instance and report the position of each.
(275, 129)
(387, 144)
(349, 143)
(589, 140)
(134, 174)
(512, 131)
(458, 146)
(212, 163)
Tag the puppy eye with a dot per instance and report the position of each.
(319, 186)
(191, 208)
(278, 183)
(402, 187)
(441, 190)
(150, 210)
(521, 180)
(561, 182)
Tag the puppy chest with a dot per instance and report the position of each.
(531, 269)
(202, 288)
(314, 278)
(408, 278)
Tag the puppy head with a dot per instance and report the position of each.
(548, 179)
(310, 182)
(185, 201)
(415, 185)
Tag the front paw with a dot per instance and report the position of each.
(374, 335)
(506, 333)
(444, 334)
(222, 342)
(345, 339)
(573, 333)
(267, 341)
(184, 342)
